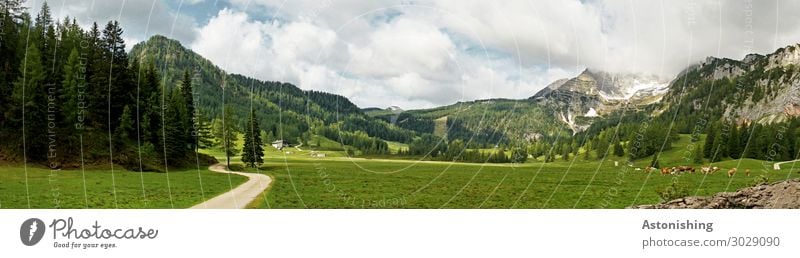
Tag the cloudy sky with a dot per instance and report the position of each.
(419, 54)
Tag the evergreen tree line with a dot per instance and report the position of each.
(436, 148)
(64, 88)
(360, 140)
(774, 142)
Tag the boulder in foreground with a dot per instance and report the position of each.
(780, 195)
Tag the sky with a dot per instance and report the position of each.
(422, 54)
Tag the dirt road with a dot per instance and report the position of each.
(239, 197)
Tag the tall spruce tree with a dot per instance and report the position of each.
(253, 150)
(205, 137)
(720, 148)
(618, 150)
(150, 108)
(124, 130)
(734, 150)
(708, 144)
(229, 133)
(697, 155)
(175, 138)
(72, 94)
(602, 146)
(31, 104)
(11, 14)
(120, 88)
(188, 98)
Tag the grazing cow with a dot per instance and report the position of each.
(649, 169)
(665, 171)
(731, 172)
(714, 169)
(747, 172)
(705, 170)
(686, 169)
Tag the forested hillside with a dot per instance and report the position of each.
(285, 111)
(72, 95)
(483, 122)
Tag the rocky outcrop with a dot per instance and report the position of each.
(594, 93)
(781, 195)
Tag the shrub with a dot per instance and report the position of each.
(674, 191)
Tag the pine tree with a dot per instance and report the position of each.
(720, 148)
(602, 147)
(229, 133)
(125, 128)
(31, 104)
(500, 156)
(97, 73)
(71, 96)
(733, 143)
(116, 79)
(252, 152)
(205, 138)
(698, 154)
(618, 150)
(175, 138)
(150, 108)
(188, 96)
(708, 145)
(11, 14)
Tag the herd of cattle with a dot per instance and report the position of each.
(689, 169)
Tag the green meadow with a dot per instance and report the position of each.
(338, 181)
(100, 188)
(363, 183)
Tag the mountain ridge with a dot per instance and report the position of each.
(576, 102)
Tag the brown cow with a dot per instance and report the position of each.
(684, 169)
(731, 172)
(665, 171)
(649, 169)
(705, 170)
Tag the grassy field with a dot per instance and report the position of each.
(341, 182)
(362, 183)
(338, 181)
(95, 188)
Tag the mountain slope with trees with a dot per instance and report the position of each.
(285, 112)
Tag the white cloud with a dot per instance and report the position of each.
(435, 52)
(234, 43)
(401, 47)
